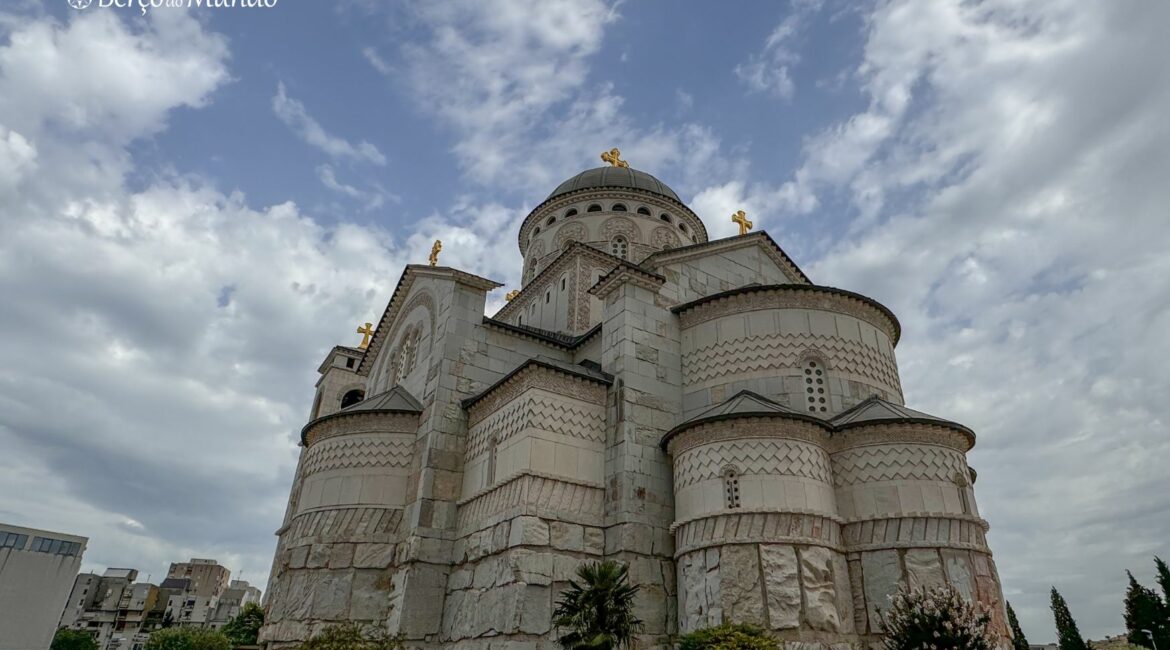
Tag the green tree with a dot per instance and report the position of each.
(729, 636)
(597, 613)
(1019, 641)
(924, 617)
(245, 627)
(352, 636)
(1163, 579)
(1068, 636)
(1144, 610)
(187, 638)
(66, 639)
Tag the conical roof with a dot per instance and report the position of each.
(395, 399)
(876, 409)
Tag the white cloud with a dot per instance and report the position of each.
(769, 71)
(371, 199)
(1008, 184)
(294, 114)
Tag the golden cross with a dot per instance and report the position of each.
(366, 333)
(614, 157)
(740, 217)
(434, 258)
(511, 295)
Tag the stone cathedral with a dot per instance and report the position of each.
(699, 410)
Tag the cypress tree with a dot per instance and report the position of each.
(1068, 636)
(1163, 579)
(1019, 641)
(1144, 610)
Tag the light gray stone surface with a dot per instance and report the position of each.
(820, 596)
(882, 571)
(782, 585)
(739, 584)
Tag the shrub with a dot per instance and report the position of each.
(66, 639)
(352, 636)
(187, 638)
(245, 627)
(729, 636)
(934, 618)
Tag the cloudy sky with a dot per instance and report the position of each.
(195, 206)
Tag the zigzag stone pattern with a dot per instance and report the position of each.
(781, 354)
(753, 456)
(531, 494)
(366, 451)
(903, 462)
(501, 425)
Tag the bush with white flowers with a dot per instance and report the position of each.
(934, 618)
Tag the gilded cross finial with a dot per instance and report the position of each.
(614, 157)
(438, 246)
(740, 218)
(511, 294)
(367, 331)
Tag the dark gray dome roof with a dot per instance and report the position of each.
(614, 177)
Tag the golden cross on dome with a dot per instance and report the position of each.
(511, 295)
(434, 258)
(367, 331)
(740, 218)
(614, 157)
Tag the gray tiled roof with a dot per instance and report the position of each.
(876, 409)
(395, 399)
(614, 177)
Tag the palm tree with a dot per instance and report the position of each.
(598, 612)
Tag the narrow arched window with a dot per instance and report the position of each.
(594, 208)
(644, 210)
(352, 397)
(619, 247)
(682, 226)
(665, 217)
(618, 207)
(536, 232)
(408, 354)
(572, 212)
(551, 221)
(731, 488)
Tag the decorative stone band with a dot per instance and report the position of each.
(531, 493)
(534, 375)
(650, 198)
(884, 432)
(795, 427)
(790, 296)
(757, 527)
(342, 525)
(346, 423)
(917, 532)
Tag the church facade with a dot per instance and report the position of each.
(696, 409)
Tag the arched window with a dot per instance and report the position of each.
(619, 247)
(731, 487)
(665, 217)
(352, 397)
(619, 207)
(682, 226)
(407, 355)
(551, 221)
(572, 212)
(964, 499)
(536, 232)
(594, 208)
(644, 210)
(814, 386)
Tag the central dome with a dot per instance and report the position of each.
(614, 177)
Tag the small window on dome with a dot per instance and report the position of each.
(665, 217)
(572, 212)
(644, 210)
(618, 207)
(536, 232)
(682, 226)
(551, 221)
(594, 208)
